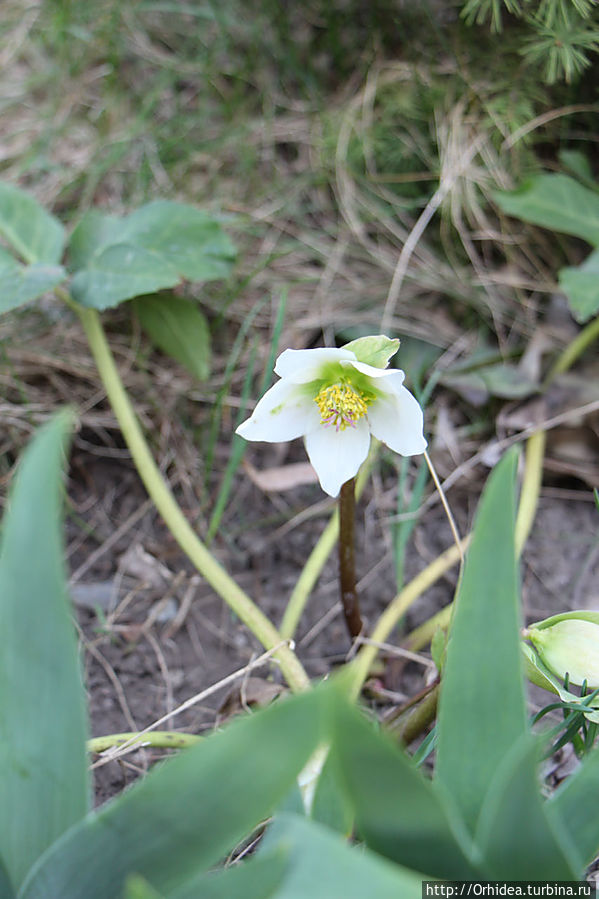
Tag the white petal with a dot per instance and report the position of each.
(285, 412)
(374, 372)
(396, 419)
(337, 455)
(301, 366)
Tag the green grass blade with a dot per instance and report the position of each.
(482, 709)
(188, 813)
(43, 766)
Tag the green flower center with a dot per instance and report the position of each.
(342, 405)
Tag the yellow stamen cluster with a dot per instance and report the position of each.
(341, 405)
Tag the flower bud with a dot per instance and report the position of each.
(569, 645)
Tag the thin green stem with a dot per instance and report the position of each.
(158, 739)
(166, 504)
(418, 718)
(574, 349)
(347, 558)
(531, 488)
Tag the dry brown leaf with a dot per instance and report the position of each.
(253, 691)
(281, 478)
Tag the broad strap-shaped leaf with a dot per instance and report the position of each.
(260, 877)
(574, 808)
(21, 283)
(482, 708)
(33, 233)
(155, 247)
(322, 864)
(517, 837)
(398, 813)
(138, 888)
(331, 805)
(581, 286)
(178, 328)
(185, 815)
(6, 890)
(557, 202)
(43, 766)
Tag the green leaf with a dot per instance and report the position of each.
(518, 839)
(398, 813)
(6, 890)
(119, 273)
(574, 808)
(321, 864)
(581, 286)
(192, 241)
(502, 380)
(482, 709)
(557, 202)
(43, 766)
(155, 247)
(138, 888)
(186, 814)
(257, 878)
(21, 283)
(578, 164)
(331, 805)
(35, 234)
(94, 233)
(178, 328)
(376, 350)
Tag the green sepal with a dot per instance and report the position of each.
(375, 350)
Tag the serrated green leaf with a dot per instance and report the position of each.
(33, 233)
(169, 241)
(375, 350)
(94, 233)
(44, 785)
(185, 815)
(120, 273)
(398, 813)
(574, 808)
(321, 864)
(581, 286)
(482, 708)
(178, 328)
(192, 241)
(557, 202)
(516, 835)
(21, 283)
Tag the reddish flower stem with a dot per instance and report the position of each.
(347, 563)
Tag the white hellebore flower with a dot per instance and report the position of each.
(335, 399)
